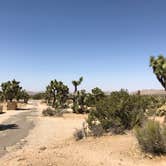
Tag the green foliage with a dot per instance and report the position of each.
(38, 96)
(77, 83)
(52, 112)
(1, 97)
(80, 102)
(159, 68)
(57, 94)
(98, 94)
(97, 130)
(152, 137)
(78, 134)
(23, 95)
(11, 90)
(78, 97)
(94, 97)
(118, 112)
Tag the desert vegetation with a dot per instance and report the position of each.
(121, 112)
(152, 137)
(115, 113)
(11, 92)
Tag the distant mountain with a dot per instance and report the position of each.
(31, 93)
(151, 92)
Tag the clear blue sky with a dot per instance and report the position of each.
(108, 42)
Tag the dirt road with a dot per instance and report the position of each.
(16, 128)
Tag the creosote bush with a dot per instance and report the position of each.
(97, 130)
(118, 112)
(52, 112)
(79, 134)
(152, 137)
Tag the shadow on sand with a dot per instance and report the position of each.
(23, 109)
(2, 113)
(8, 126)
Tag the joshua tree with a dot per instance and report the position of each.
(75, 95)
(81, 102)
(57, 92)
(25, 96)
(77, 83)
(11, 90)
(98, 93)
(94, 97)
(159, 69)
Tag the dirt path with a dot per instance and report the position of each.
(16, 128)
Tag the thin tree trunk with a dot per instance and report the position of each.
(75, 89)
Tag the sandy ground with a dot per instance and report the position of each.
(7, 114)
(51, 143)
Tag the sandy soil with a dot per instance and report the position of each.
(51, 143)
(7, 114)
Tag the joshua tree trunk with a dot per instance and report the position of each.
(75, 88)
(53, 103)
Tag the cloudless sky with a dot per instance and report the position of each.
(108, 42)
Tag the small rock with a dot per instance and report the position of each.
(43, 148)
(149, 156)
(20, 159)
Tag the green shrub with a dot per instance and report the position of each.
(161, 111)
(52, 112)
(79, 134)
(154, 103)
(97, 130)
(48, 112)
(118, 112)
(38, 96)
(152, 137)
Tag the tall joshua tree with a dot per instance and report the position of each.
(77, 83)
(159, 68)
(57, 92)
(98, 94)
(11, 89)
(75, 97)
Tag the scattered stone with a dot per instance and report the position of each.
(50, 164)
(43, 148)
(21, 159)
(149, 156)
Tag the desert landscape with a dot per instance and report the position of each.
(50, 142)
(82, 83)
(58, 127)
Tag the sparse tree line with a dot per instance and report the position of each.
(57, 95)
(114, 113)
(11, 90)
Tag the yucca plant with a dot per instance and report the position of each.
(159, 68)
(57, 93)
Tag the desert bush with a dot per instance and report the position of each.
(152, 137)
(97, 130)
(118, 112)
(161, 111)
(154, 104)
(52, 112)
(48, 112)
(79, 134)
(38, 96)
